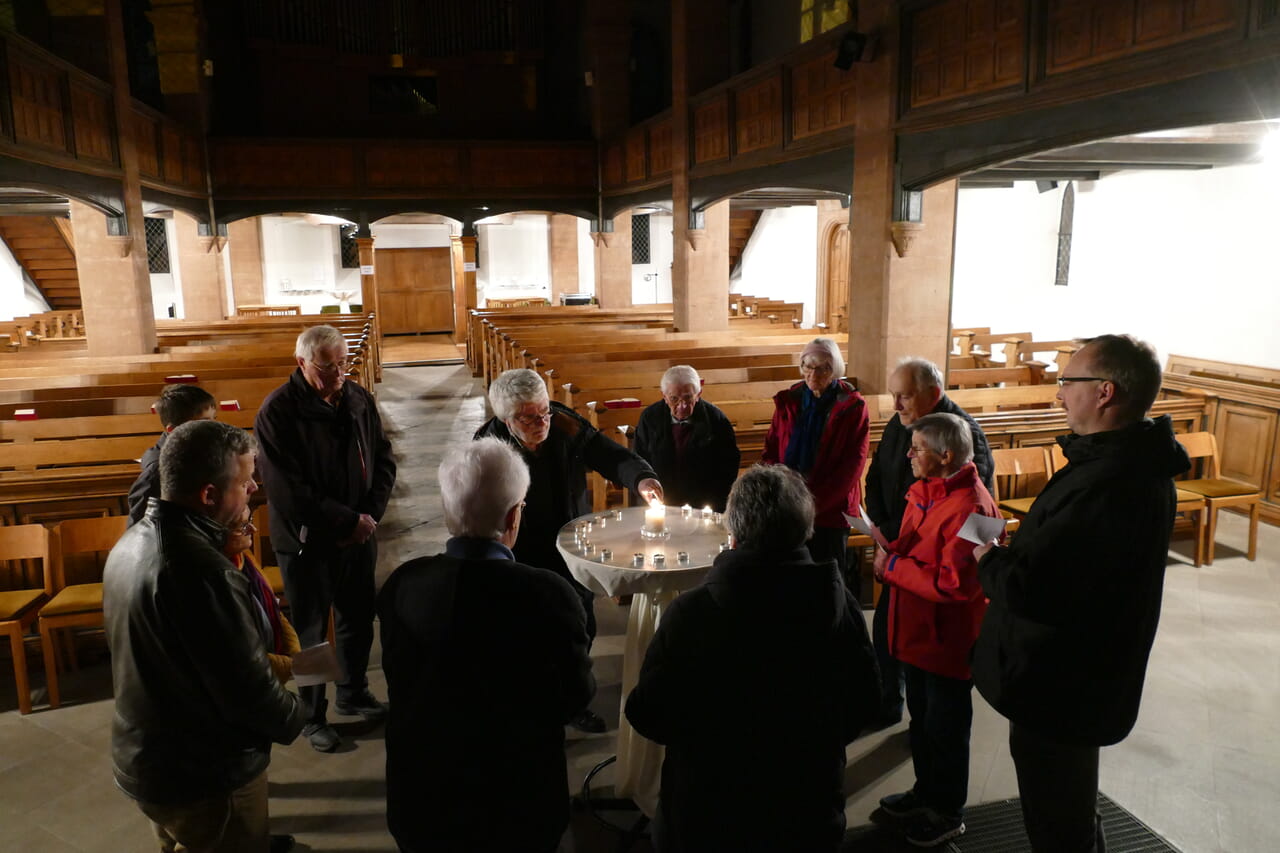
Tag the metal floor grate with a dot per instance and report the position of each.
(997, 828)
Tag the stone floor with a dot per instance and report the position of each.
(1202, 767)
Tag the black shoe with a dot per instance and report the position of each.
(282, 843)
(902, 806)
(322, 736)
(931, 829)
(589, 721)
(361, 704)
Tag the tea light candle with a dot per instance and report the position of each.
(617, 515)
(683, 558)
(655, 518)
(686, 510)
(637, 559)
(606, 555)
(659, 560)
(706, 513)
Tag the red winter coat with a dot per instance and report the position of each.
(836, 478)
(936, 604)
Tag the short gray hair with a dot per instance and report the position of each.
(316, 338)
(770, 508)
(837, 360)
(201, 453)
(680, 374)
(479, 483)
(514, 387)
(923, 373)
(943, 432)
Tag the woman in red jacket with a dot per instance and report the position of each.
(935, 611)
(821, 430)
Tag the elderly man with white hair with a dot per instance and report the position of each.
(559, 446)
(486, 660)
(689, 442)
(328, 469)
(821, 430)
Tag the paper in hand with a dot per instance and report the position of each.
(981, 529)
(316, 665)
(864, 526)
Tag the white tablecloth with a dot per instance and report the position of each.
(639, 768)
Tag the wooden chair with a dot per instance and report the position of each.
(1218, 492)
(22, 592)
(1020, 474)
(75, 605)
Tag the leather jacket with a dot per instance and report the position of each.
(196, 703)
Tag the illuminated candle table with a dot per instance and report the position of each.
(623, 553)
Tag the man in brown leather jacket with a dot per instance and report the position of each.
(197, 705)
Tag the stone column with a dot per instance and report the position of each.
(244, 237)
(898, 304)
(613, 264)
(562, 251)
(700, 273)
(464, 282)
(118, 317)
(198, 260)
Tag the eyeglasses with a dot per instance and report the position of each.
(336, 367)
(918, 450)
(1063, 380)
(684, 398)
(816, 368)
(533, 420)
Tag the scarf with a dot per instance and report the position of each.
(266, 599)
(802, 448)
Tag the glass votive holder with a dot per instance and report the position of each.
(686, 511)
(724, 546)
(602, 520)
(659, 561)
(588, 548)
(605, 555)
(637, 559)
(683, 558)
(617, 515)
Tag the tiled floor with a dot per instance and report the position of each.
(1202, 766)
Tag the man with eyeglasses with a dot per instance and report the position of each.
(689, 443)
(559, 446)
(1075, 596)
(328, 470)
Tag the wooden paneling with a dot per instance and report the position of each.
(420, 166)
(636, 155)
(758, 114)
(248, 165)
(193, 156)
(1245, 436)
(660, 152)
(1268, 13)
(822, 97)
(171, 150)
(517, 167)
(1083, 33)
(1273, 487)
(35, 90)
(711, 130)
(612, 165)
(147, 139)
(415, 290)
(91, 118)
(961, 48)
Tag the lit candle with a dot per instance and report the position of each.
(706, 513)
(686, 511)
(655, 517)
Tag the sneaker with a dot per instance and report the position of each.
(322, 736)
(931, 829)
(903, 805)
(589, 721)
(282, 843)
(361, 704)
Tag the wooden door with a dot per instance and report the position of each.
(838, 280)
(415, 290)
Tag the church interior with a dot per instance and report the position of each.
(598, 190)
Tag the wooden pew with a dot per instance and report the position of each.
(1027, 373)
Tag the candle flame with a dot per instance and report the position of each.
(655, 503)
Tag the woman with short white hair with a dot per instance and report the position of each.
(559, 446)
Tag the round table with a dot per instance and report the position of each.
(612, 557)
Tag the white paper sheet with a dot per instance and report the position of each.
(316, 665)
(863, 525)
(981, 529)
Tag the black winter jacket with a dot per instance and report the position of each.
(322, 465)
(1075, 597)
(711, 458)
(196, 703)
(755, 682)
(148, 483)
(889, 476)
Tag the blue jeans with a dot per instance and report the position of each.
(941, 716)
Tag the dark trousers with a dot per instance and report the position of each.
(1058, 784)
(342, 578)
(890, 669)
(832, 543)
(941, 717)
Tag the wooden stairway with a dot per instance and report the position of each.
(742, 224)
(43, 245)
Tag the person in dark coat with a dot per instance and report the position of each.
(328, 469)
(916, 386)
(559, 447)
(176, 405)
(689, 443)
(755, 682)
(486, 660)
(822, 430)
(1075, 597)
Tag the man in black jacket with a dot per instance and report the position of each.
(559, 447)
(176, 405)
(755, 682)
(196, 703)
(916, 386)
(1075, 597)
(468, 636)
(328, 470)
(689, 443)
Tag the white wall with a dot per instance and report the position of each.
(166, 287)
(1189, 261)
(780, 262)
(302, 264)
(18, 296)
(651, 282)
(514, 258)
(586, 258)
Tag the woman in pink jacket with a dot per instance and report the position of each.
(935, 611)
